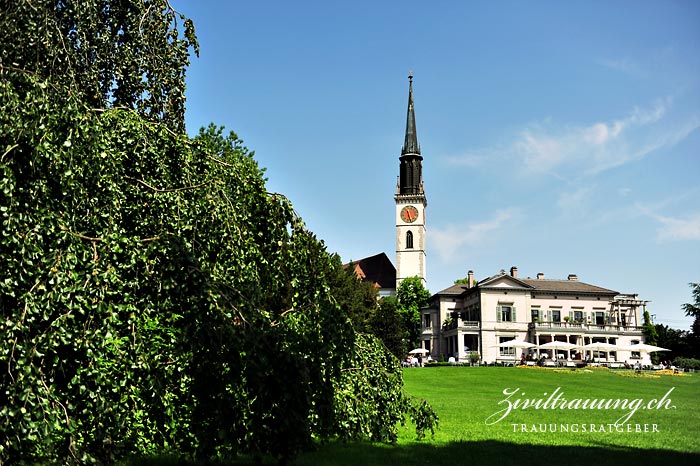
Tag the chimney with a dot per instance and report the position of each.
(514, 272)
(540, 276)
(470, 279)
(572, 277)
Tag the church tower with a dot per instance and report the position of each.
(410, 202)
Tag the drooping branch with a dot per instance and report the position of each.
(169, 190)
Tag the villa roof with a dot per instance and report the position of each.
(456, 289)
(566, 286)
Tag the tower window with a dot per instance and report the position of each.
(409, 240)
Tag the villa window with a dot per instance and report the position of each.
(505, 314)
(535, 315)
(600, 318)
(635, 354)
(409, 240)
(426, 321)
(506, 351)
(556, 316)
(578, 316)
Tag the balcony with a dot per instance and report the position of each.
(580, 327)
(452, 324)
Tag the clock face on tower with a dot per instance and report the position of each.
(409, 214)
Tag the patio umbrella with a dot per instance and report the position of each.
(602, 346)
(418, 350)
(644, 347)
(558, 345)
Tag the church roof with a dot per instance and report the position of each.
(377, 269)
(410, 145)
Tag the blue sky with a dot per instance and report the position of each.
(560, 137)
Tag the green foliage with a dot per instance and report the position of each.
(127, 53)
(648, 329)
(356, 298)
(650, 335)
(155, 298)
(687, 363)
(387, 324)
(464, 281)
(412, 296)
(693, 310)
(370, 401)
(678, 341)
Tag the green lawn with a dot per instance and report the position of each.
(464, 397)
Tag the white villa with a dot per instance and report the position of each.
(479, 316)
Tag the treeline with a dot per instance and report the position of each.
(683, 345)
(155, 297)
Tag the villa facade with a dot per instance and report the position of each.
(477, 317)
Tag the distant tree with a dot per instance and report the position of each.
(693, 310)
(675, 340)
(648, 330)
(464, 281)
(650, 335)
(387, 324)
(412, 296)
(356, 298)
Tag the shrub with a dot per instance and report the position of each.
(687, 363)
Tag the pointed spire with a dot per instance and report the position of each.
(410, 145)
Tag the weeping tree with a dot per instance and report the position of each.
(155, 297)
(112, 53)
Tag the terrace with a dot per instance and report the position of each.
(580, 327)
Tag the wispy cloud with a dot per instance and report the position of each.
(574, 202)
(624, 65)
(624, 192)
(578, 151)
(447, 241)
(678, 229)
(670, 228)
(603, 145)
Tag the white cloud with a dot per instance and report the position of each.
(673, 228)
(447, 241)
(624, 65)
(678, 229)
(624, 192)
(575, 151)
(574, 201)
(603, 145)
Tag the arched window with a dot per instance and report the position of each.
(409, 240)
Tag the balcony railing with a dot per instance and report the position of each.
(459, 323)
(585, 327)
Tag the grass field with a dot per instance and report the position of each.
(464, 397)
